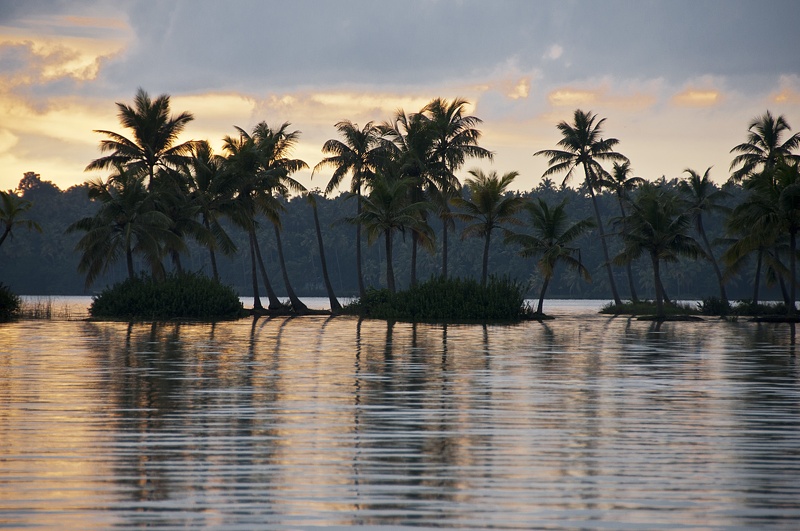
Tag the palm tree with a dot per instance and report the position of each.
(358, 155)
(658, 226)
(212, 191)
(622, 185)
(154, 135)
(12, 211)
(408, 148)
(127, 223)
(703, 196)
(583, 145)
(275, 146)
(487, 208)
(552, 235)
(764, 148)
(311, 197)
(387, 210)
(454, 139)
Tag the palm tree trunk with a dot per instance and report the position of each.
(603, 242)
(362, 291)
(485, 269)
(213, 255)
(297, 304)
(256, 297)
(335, 306)
(5, 234)
(129, 261)
(444, 247)
(659, 287)
(758, 275)
(176, 261)
(793, 271)
(414, 246)
(628, 269)
(389, 266)
(274, 301)
(722, 293)
(540, 307)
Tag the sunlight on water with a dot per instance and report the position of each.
(586, 421)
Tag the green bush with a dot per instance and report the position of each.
(459, 300)
(647, 308)
(186, 296)
(746, 307)
(10, 304)
(714, 306)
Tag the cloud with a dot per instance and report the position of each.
(697, 98)
(554, 52)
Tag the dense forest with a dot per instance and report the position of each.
(68, 235)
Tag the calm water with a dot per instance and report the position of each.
(584, 422)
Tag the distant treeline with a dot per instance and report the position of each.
(45, 263)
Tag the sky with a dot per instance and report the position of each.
(678, 82)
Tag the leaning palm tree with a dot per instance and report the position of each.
(553, 233)
(702, 196)
(622, 185)
(455, 138)
(658, 226)
(387, 210)
(583, 145)
(336, 307)
(487, 208)
(764, 147)
(152, 146)
(12, 214)
(127, 223)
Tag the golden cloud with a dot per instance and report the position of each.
(574, 98)
(697, 98)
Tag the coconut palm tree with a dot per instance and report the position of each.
(12, 212)
(336, 307)
(703, 196)
(622, 184)
(455, 138)
(358, 155)
(487, 208)
(658, 225)
(553, 233)
(152, 146)
(274, 147)
(764, 147)
(387, 210)
(582, 144)
(211, 190)
(127, 223)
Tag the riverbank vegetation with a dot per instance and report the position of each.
(241, 218)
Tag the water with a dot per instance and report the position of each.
(584, 422)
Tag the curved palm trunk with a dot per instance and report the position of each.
(256, 297)
(213, 255)
(129, 261)
(274, 301)
(722, 293)
(5, 234)
(389, 266)
(659, 288)
(485, 269)
(628, 269)
(335, 306)
(362, 291)
(297, 304)
(540, 307)
(611, 281)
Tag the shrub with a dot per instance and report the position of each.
(185, 296)
(463, 300)
(714, 306)
(10, 304)
(646, 308)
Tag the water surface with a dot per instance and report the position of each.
(584, 422)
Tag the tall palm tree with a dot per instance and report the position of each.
(658, 225)
(764, 148)
(487, 208)
(553, 233)
(212, 190)
(357, 155)
(336, 307)
(583, 145)
(703, 196)
(152, 146)
(127, 223)
(455, 138)
(409, 150)
(12, 212)
(387, 210)
(622, 185)
(275, 146)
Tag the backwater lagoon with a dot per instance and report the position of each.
(587, 421)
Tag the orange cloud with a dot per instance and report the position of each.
(697, 98)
